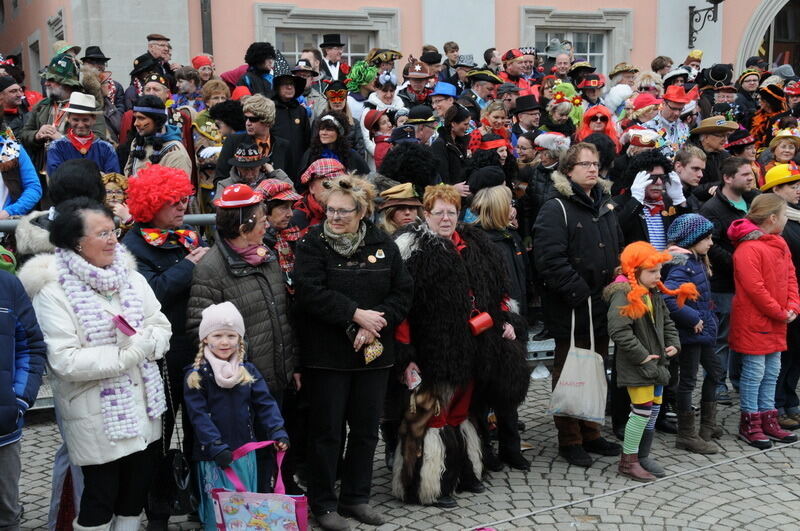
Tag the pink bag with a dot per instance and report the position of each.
(244, 511)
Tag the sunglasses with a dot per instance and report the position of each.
(598, 118)
(252, 119)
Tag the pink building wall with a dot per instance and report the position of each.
(26, 20)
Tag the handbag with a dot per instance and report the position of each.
(171, 492)
(242, 510)
(479, 322)
(581, 389)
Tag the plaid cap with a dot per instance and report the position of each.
(323, 169)
(277, 190)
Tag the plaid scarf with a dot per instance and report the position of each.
(169, 238)
(283, 247)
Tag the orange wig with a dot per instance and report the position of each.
(610, 128)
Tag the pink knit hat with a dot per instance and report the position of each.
(223, 316)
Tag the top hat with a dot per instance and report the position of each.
(591, 81)
(527, 103)
(331, 39)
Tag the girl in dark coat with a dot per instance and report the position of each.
(331, 141)
(224, 395)
(291, 118)
(690, 238)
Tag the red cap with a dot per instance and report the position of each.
(237, 196)
(277, 190)
(645, 100)
(240, 92)
(793, 90)
(201, 60)
(372, 117)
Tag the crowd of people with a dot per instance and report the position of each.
(387, 236)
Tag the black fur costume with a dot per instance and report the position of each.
(430, 461)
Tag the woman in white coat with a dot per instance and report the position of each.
(104, 332)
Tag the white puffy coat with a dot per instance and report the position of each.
(76, 369)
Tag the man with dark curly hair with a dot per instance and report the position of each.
(260, 58)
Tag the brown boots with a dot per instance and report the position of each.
(708, 422)
(688, 439)
(629, 466)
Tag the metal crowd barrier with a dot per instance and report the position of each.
(203, 220)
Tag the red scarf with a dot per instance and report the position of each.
(459, 242)
(160, 238)
(81, 143)
(420, 96)
(284, 249)
(312, 209)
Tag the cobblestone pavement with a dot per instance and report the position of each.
(756, 491)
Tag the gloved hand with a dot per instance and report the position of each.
(211, 151)
(282, 444)
(675, 189)
(224, 458)
(639, 184)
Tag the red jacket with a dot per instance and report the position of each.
(766, 289)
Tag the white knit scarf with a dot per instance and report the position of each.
(228, 372)
(82, 282)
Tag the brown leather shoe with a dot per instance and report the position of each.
(629, 466)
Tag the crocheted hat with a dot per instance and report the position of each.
(153, 187)
(223, 316)
(642, 255)
(689, 229)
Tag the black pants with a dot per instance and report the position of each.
(117, 488)
(336, 397)
(786, 398)
(690, 358)
(671, 389)
(620, 402)
(508, 439)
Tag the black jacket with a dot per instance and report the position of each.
(410, 100)
(539, 188)
(329, 289)
(253, 79)
(451, 159)
(712, 175)
(631, 217)
(509, 246)
(280, 157)
(291, 124)
(721, 212)
(576, 260)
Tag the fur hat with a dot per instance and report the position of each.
(689, 229)
(153, 187)
(222, 316)
(642, 255)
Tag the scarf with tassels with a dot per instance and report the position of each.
(84, 284)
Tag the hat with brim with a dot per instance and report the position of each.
(713, 125)
(60, 47)
(247, 156)
(418, 70)
(785, 134)
(80, 103)
(376, 56)
(331, 39)
(527, 103)
(304, 66)
(780, 174)
(403, 134)
(621, 68)
(484, 75)
(581, 65)
(400, 195)
(430, 58)
(372, 116)
(94, 53)
(591, 81)
(238, 196)
(298, 82)
(678, 72)
(740, 137)
(143, 63)
(420, 114)
(466, 61)
(678, 94)
(277, 190)
(508, 88)
(63, 70)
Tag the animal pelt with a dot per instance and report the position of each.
(443, 346)
(32, 238)
(90, 79)
(410, 163)
(501, 369)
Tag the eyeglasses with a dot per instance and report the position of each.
(445, 214)
(599, 118)
(339, 212)
(679, 109)
(108, 234)
(181, 201)
(252, 119)
(588, 164)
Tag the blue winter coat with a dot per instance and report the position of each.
(223, 418)
(685, 267)
(22, 357)
(101, 153)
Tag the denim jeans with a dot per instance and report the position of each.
(730, 361)
(759, 376)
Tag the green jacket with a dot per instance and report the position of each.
(41, 114)
(635, 339)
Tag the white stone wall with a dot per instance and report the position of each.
(442, 18)
(672, 37)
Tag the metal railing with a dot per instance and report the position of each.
(10, 225)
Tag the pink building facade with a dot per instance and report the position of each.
(606, 32)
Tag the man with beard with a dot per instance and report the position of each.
(47, 121)
(80, 141)
(11, 101)
(730, 202)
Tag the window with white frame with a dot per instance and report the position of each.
(292, 42)
(586, 45)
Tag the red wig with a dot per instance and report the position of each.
(155, 186)
(610, 127)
